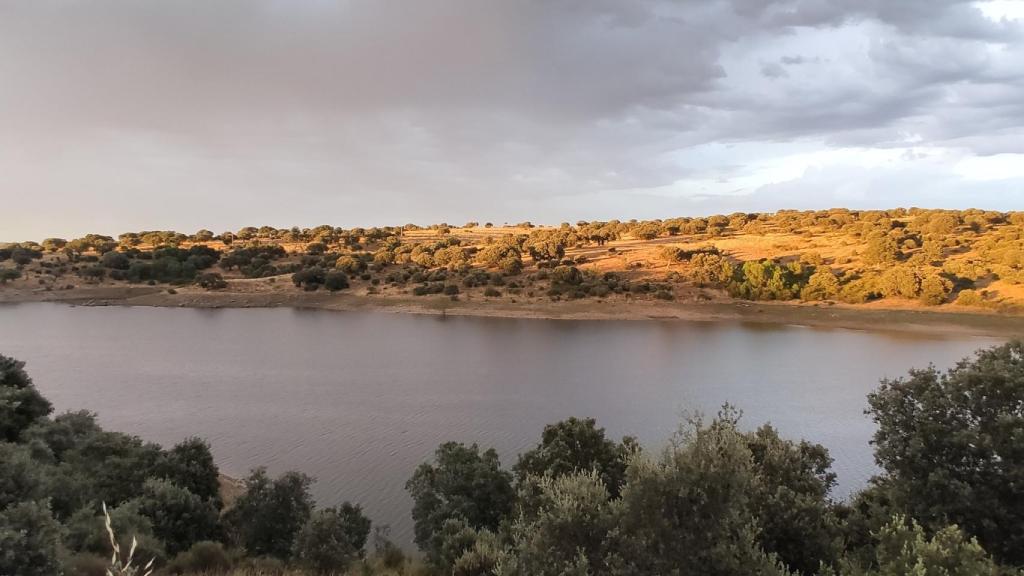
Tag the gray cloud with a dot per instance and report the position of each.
(130, 114)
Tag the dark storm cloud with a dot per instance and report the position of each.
(385, 111)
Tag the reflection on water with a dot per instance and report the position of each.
(359, 399)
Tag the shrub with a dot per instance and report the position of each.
(451, 289)
(203, 557)
(336, 280)
(29, 540)
(969, 298)
(332, 539)
(935, 289)
(492, 292)
(211, 281)
(271, 512)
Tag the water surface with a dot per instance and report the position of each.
(359, 399)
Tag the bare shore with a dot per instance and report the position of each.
(864, 317)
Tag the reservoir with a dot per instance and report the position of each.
(359, 399)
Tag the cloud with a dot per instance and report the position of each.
(197, 114)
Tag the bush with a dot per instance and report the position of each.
(266, 519)
(491, 292)
(969, 298)
(309, 279)
(451, 289)
(332, 539)
(336, 280)
(203, 557)
(29, 540)
(935, 290)
(84, 564)
(211, 281)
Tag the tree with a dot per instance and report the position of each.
(115, 260)
(576, 445)
(335, 280)
(53, 244)
(462, 482)
(710, 270)
(332, 539)
(9, 274)
(309, 279)
(881, 249)
(935, 290)
(189, 464)
(504, 255)
(268, 516)
(29, 540)
(952, 445)
(20, 403)
(791, 500)
(566, 526)
(647, 231)
(180, 518)
(691, 512)
(21, 477)
(822, 285)
(211, 281)
(904, 549)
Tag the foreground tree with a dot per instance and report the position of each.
(904, 549)
(266, 519)
(332, 539)
(29, 540)
(462, 483)
(952, 445)
(578, 445)
(692, 512)
(20, 403)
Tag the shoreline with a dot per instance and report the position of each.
(867, 317)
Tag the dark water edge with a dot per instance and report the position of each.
(358, 399)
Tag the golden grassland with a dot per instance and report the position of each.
(628, 253)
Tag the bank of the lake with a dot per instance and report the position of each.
(873, 316)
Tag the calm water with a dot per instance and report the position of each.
(359, 399)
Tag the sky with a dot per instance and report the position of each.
(123, 115)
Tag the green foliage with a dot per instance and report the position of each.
(952, 445)
(332, 539)
(462, 482)
(7, 274)
(691, 512)
(578, 445)
(20, 403)
(179, 517)
(905, 549)
(268, 516)
(969, 298)
(335, 280)
(822, 285)
(504, 255)
(935, 290)
(565, 526)
(203, 558)
(647, 231)
(765, 280)
(21, 477)
(881, 249)
(29, 540)
(211, 281)
(310, 279)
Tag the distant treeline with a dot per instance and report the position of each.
(718, 499)
(933, 256)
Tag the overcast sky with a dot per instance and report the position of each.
(134, 114)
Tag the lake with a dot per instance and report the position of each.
(358, 399)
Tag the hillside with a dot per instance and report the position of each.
(969, 260)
